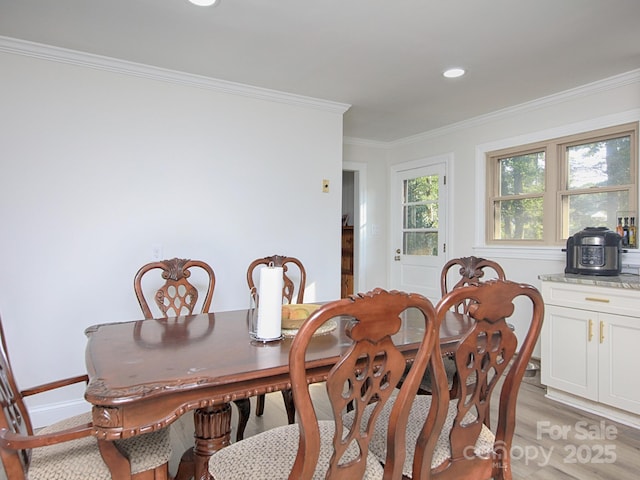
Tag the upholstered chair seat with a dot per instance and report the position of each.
(81, 460)
(271, 454)
(68, 449)
(419, 411)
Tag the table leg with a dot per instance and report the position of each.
(212, 432)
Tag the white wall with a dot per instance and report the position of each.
(592, 106)
(610, 101)
(374, 212)
(102, 160)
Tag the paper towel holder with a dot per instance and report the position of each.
(252, 319)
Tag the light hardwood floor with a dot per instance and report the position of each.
(538, 452)
(541, 456)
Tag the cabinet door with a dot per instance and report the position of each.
(569, 347)
(619, 338)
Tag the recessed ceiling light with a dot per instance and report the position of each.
(454, 72)
(204, 3)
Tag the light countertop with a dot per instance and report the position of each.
(624, 280)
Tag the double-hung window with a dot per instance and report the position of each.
(540, 194)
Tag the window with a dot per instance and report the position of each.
(420, 215)
(540, 194)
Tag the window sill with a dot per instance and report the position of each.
(629, 258)
(524, 252)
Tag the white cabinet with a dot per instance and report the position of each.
(569, 354)
(617, 359)
(588, 348)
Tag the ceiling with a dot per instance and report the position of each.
(384, 58)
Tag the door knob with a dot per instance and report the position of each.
(397, 250)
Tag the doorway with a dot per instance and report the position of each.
(418, 221)
(354, 207)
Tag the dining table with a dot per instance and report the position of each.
(145, 374)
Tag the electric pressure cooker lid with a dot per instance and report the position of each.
(610, 237)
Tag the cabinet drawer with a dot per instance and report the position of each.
(623, 301)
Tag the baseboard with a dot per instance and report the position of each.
(599, 409)
(43, 415)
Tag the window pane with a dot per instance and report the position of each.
(420, 243)
(600, 164)
(421, 216)
(595, 210)
(421, 189)
(522, 174)
(519, 219)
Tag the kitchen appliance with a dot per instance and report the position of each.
(594, 251)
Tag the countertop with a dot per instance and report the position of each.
(624, 280)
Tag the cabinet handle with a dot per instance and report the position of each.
(590, 329)
(596, 299)
(601, 331)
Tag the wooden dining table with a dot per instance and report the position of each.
(143, 375)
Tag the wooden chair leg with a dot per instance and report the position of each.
(187, 467)
(158, 473)
(287, 396)
(455, 387)
(260, 405)
(244, 411)
(118, 464)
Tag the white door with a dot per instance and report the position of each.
(418, 226)
(569, 350)
(619, 335)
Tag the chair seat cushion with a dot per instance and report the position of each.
(417, 416)
(270, 455)
(81, 460)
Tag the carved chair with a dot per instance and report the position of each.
(176, 296)
(472, 271)
(366, 375)
(68, 449)
(291, 289)
(468, 444)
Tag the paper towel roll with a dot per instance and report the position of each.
(270, 303)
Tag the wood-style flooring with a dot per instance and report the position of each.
(552, 441)
(611, 451)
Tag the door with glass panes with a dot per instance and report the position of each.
(418, 226)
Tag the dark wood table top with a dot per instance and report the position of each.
(144, 374)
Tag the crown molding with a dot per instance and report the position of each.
(365, 143)
(72, 57)
(617, 81)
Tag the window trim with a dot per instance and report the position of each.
(493, 181)
(534, 252)
(555, 194)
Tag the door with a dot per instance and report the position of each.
(418, 226)
(569, 345)
(619, 336)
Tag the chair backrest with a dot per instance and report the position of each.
(486, 352)
(367, 372)
(472, 271)
(15, 416)
(176, 296)
(290, 289)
